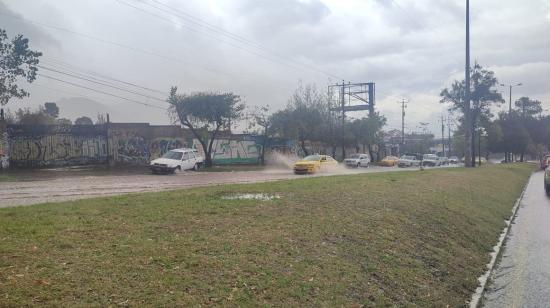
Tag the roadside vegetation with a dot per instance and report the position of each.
(390, 239)
(6, 178)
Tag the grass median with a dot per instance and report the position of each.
(389, 239)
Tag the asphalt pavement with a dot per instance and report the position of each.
(522, 277)
(41, 187)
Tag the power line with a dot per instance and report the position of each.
(194, 30)
(96, 76)
(231, 35)
(263, 56)
(98, 82)
(102, 92)
(113, 43)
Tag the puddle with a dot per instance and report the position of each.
(261, 197)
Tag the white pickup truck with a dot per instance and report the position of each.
(177, 160)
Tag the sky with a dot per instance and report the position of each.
(263, 50)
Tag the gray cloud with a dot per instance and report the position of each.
(409, 48)
(35, 34)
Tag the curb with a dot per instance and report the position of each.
(478, 294)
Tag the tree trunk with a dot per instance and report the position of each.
(208, 158)
(303, 146)
(370, 154)
(472, 143)
(264, 143)
(521, 157)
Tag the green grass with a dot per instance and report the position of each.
(7, 178)
(394, 239)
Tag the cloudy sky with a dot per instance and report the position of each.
(262, 50)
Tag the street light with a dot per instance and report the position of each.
(511, 86)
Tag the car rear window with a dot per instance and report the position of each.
(172, 155)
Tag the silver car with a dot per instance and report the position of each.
(408, 161)
(357, 160)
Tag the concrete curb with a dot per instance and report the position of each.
(478, 294)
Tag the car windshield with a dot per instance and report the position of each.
(312, 157)
(173, 155)
(430, 156)
(453, 157)
(355, 156)
(407, 157)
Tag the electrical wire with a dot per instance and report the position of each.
(94, 75)
(201, 23)
(113, 43)
(98, 82)
(102, 92)
(162, 18)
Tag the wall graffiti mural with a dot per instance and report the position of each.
(159, 146)
(56, 150)
(4, 150)
(38, 146)
(231, 151)
(132, 149)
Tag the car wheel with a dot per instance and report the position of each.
(197, 167)
(358, 165)
(547, 189)
(177, 169)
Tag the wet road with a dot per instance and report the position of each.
(87, 185)
(522, 279)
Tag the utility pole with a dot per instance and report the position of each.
(403, 106)
(443, 134)
(364, 92)
(467, 112)
(343, 102)
(510, 86)
(449, 135)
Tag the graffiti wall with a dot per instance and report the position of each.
(115, 143)
(139, 143)
(53, 145)
(4, 148)
(236, 151)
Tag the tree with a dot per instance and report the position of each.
(262, 118)
(63, 121)
(37, 117)
(101, 119)
(484, 95)
(528, 107)
(16, 61)
(51, 109)
(305, 118)
(205, 113)
(83, 121)
(368, 132)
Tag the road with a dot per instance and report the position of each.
(522, 278)
(62, 187)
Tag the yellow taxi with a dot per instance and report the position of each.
(389, 161)
(313, 163)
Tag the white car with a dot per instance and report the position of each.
(443, 161)
(453, 160)
(430, 160)
(177, 160)
(408, 161)
(357, 160)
